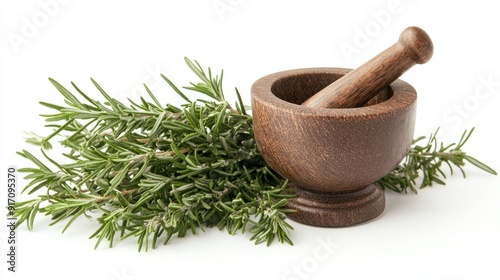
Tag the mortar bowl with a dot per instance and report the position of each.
(331, 157)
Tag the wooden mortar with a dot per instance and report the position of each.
(333, 156)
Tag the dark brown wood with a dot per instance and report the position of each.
(331, 157)
(362, 84)
(337, 209)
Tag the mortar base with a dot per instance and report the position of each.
(337, 209)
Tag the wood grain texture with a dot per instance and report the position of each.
(337, 210)
(362, 84)
(332, 156)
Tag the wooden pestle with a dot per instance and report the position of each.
(362, 84)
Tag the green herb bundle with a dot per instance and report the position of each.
(154, 171)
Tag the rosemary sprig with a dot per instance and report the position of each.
(428, 161)
(155, 171)
(152, 171)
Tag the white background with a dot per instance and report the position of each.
(443, 233)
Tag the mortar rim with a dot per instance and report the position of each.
(403, 96)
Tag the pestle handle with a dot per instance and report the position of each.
(362, 84)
